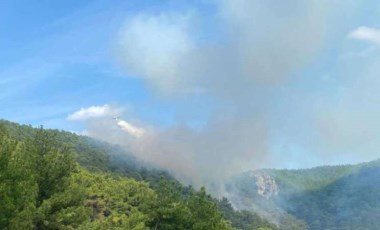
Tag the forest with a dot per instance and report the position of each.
(51, 179)
(326, 197)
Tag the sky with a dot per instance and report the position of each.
(247, 83)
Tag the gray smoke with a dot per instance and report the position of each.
(247, 63)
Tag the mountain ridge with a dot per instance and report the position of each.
(53, 179)
(324, 197)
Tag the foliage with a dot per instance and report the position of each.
(243, 219)
(328, 197)
(42, 186)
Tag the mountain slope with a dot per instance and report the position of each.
(328, 197)
(42, 186)
(94, 155)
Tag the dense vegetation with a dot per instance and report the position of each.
(51, 179)
(329, 197)
(58, 180)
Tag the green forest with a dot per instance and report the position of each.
(327, 197)
(51, 179)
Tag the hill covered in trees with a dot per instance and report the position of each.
(51, 179)
(328, 197)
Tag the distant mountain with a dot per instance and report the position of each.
(328, 197)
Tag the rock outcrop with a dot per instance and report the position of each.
(266, 185)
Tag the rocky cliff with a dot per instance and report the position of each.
(266, 184)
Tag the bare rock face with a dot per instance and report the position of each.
(266, 185)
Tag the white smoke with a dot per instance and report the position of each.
(259, 43)
(105, 117)
(131, 129)
(246, 63)
(206, 157)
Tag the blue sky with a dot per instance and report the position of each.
(57, 57)
(307, 70)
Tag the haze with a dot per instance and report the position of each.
(205, 89)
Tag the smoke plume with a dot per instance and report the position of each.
(248, 63)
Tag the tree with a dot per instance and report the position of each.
(168, 210)
(205, 213)
(17, 187)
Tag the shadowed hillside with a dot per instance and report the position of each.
(328, 197)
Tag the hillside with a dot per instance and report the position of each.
(52, 179)
(328, 197)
